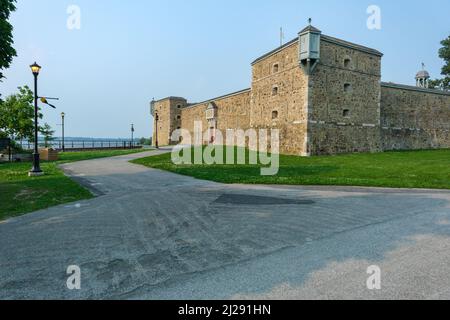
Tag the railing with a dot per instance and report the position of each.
(74, 145)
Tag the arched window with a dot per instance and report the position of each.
(274, 115)
(179, 106)
(178, 117)
(346, 113)
(347, 62)
(275, 68)
(274, 90)
(347, 87)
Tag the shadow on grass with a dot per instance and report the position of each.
(19, 197)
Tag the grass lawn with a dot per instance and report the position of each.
(415, 169)
(20, 194)
(89, 155)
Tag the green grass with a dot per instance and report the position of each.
(415, 169)
(89, 155)
(20, 194)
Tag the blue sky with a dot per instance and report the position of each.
(127, 52)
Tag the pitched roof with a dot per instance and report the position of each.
(423, 74)
(333, 40)
(288, 44)
(170, 98)
(352, 45)
(311, 29)
(196, 104)
(412, 88)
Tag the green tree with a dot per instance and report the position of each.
(7, 52)
(444, 53)
(48, 133)
(17, 115)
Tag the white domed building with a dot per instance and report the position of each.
(423, 78)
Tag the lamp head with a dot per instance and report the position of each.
(44, 100)
(35, 68)
(63, 114)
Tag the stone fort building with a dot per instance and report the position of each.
(325, 95)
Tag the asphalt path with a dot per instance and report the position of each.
(151, 234)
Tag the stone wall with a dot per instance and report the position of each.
(169, 114)
(233, 112)
(414, 118)
(342, 107)
(279, 98)
(161, 129)
(344, 113)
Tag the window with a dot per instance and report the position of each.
(179, 106)
(275, 91)
(274, 115)
(347, 63)
(178, 117)
(347, 87)
(275, 68)
(346, 113)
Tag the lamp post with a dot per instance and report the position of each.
(156, 130)
(36, 170)
(63, 115)
(132, 135)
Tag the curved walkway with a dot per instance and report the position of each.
(155, 235)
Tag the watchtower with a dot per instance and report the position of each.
(423, 78)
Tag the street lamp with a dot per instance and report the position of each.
(156, 130)
(63, 115)
(132, 135)
(36, 170)
(35, 68)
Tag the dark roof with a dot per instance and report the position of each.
(422, 74)
(171, 98)
(218, 98)
(352, 45)
(325, 38)
(413, 88)
(288, 44)
(311, 29)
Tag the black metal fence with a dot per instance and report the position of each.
(75, 145)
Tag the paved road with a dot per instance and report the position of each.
(155, 235)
